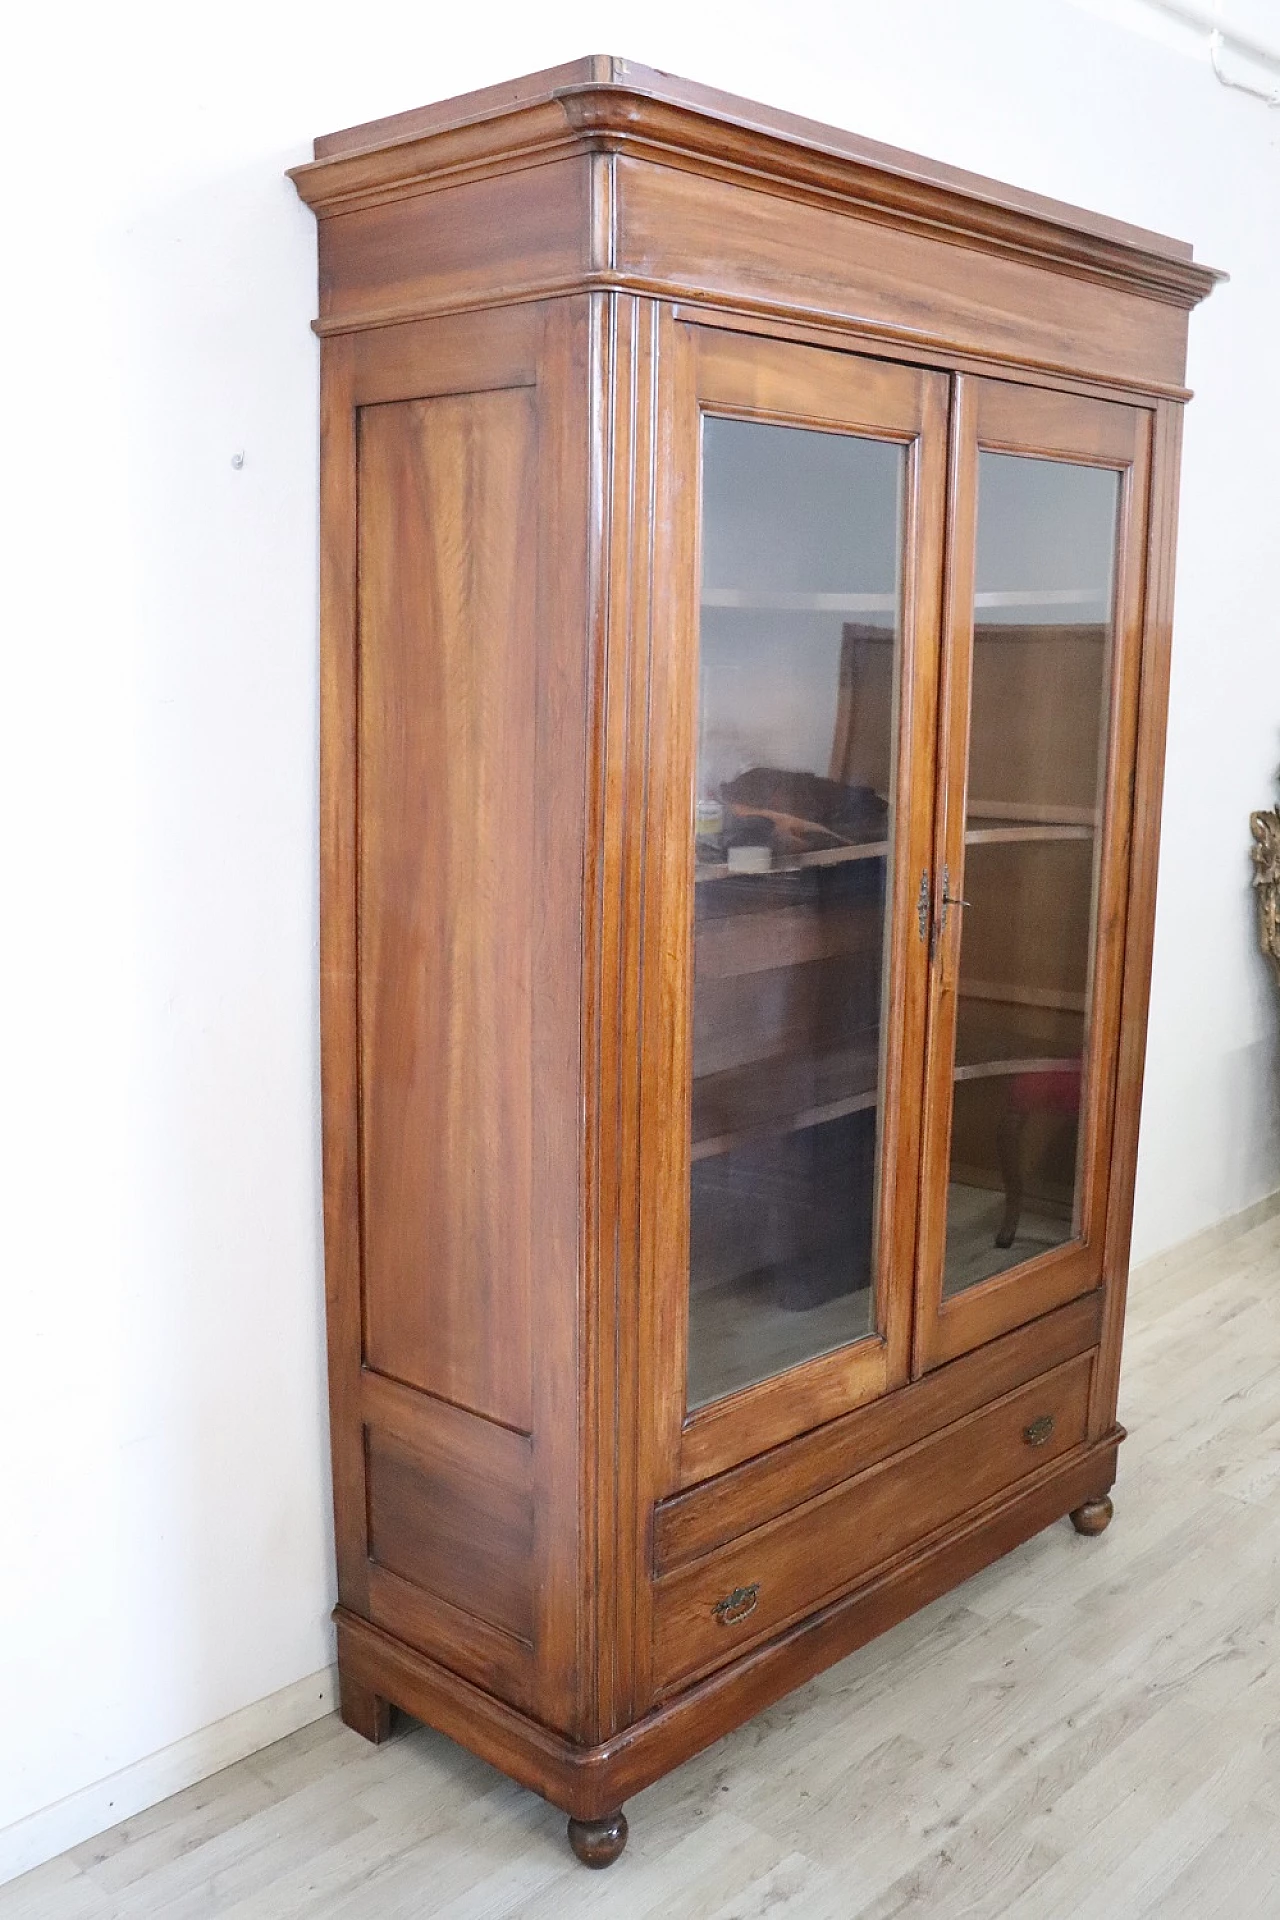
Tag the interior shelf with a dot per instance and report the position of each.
(1017, 993)
(996, 831)
(772, 1097)
(1009, 835)
(1042, 597)
(823, 857)
(782, 934)
(759, 600)
(1000, 1067)
(1033, 812)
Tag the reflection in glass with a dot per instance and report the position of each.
(793, 826)
(1037, 762)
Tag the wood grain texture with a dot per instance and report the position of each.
(569, 455)
(509, 593)
(1148, 777)
(447, 680)
(461, 917)
(464, 108)
(364, 1711)
(339, 943)
(798, 1562)
(604, 174)
(1084, 1729)
(598, 1843)
(590, 1782)
(593, 72)
(764, 246)
(994, 416)
(454, 354)
(748, 377)
(490, 1657)
(778, 321)
(466, 244)
(694, 1522)
(629, 362)
(612, 105)
(450, 1504)
(1094, 1517)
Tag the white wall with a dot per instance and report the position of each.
(165, 1498)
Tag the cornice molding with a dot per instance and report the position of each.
(715, 307)
(788, 158)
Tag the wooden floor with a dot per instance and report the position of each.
(1091, 1728)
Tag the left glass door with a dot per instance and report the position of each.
(803, 690)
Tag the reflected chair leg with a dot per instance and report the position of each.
(1009, 1142)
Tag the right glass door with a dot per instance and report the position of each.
(1043, 637)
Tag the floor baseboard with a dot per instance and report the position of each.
(40, 1836)
(1150, 1272)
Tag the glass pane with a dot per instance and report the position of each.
(1037, 761)
(793, 825)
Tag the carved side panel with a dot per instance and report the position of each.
(447, 662)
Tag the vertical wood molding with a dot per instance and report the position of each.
(1148, 781)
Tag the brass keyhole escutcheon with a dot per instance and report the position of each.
(737, 1605)
(1038, 1432)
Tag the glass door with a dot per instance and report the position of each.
(1038, 718)
(804, 708)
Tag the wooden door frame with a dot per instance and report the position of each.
(999, 416)
(1148, 782)
(703, 368)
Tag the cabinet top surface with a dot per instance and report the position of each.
(604, 103)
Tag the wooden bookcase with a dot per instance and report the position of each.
(746, 579)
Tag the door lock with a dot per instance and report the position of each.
(947, 898)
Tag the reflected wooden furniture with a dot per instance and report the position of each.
(551, 1543)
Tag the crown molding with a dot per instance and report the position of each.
(607, 107)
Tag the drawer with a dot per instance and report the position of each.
(714, 1512)
(712, 1609)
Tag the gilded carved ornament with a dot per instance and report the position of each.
(1265, 827)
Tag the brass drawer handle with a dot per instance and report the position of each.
(1038, 1432)
(737, 1605)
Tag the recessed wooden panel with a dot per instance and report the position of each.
(447, 593)
(706, 236)
(456, 1519)
(464, 1643)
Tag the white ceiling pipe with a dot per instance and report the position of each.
(1272, 98)
(1212, 23)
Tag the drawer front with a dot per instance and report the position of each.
(714, 1608)
(717, 1512)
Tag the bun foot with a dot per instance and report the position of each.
(1093, 1517)
(598, 1843)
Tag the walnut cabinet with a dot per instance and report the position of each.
(746, 577)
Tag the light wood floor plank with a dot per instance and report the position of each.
(1088, 1731)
